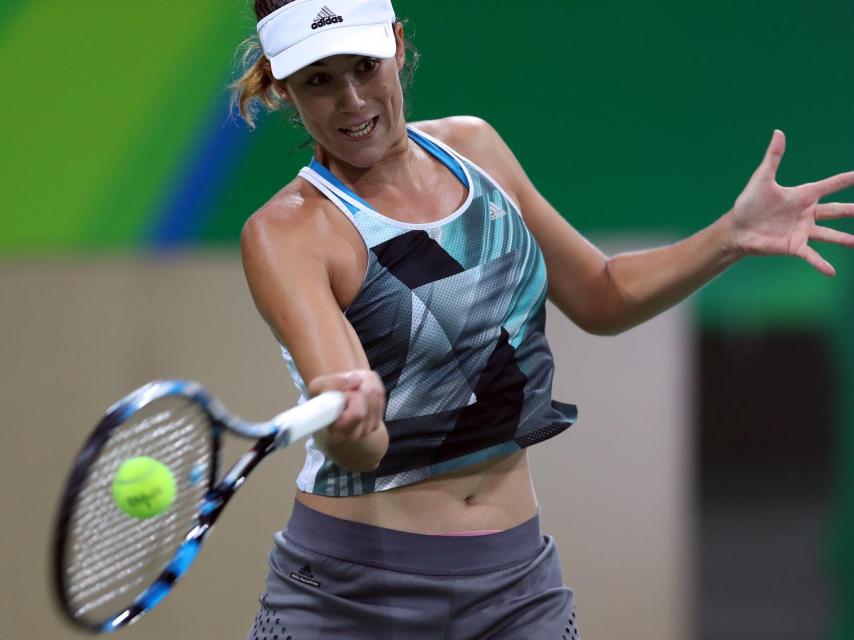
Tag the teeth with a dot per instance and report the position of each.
(362, 130)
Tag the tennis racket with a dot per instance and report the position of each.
(109, 567)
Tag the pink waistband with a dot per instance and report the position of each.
(469, 533)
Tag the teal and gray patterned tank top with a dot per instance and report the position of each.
(451, 315)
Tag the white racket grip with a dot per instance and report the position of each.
(313, 415)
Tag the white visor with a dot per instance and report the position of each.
(306, 31)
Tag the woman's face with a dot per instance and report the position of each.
(350, 104)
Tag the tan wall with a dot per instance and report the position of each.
(615, 490)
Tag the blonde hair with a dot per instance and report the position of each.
(256, 85)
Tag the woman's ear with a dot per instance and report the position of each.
(279, 86)
(282, 89)
(400, 52)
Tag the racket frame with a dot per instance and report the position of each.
(274, 434)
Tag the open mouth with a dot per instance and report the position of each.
(362, 130)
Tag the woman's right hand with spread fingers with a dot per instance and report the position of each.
(363, 414)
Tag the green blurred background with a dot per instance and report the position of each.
(632, 118)
(628, 116)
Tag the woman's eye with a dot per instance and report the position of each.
(316, 80)
(369, 64)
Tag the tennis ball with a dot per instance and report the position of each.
(143, 487)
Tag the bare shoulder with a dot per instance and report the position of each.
(299, 242)
(290, 217)
(462, 133)
(477, 140)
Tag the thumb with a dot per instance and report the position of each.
(774, 153)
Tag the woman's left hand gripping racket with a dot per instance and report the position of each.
(115, 559)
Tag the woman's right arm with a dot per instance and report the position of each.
(286, 255)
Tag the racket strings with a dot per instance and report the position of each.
(92, 503)
(120, 549)
(112, 557)
(115, 555)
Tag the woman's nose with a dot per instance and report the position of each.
(350, 97)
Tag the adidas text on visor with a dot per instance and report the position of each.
(306, 31)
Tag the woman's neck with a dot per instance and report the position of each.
(399, 166)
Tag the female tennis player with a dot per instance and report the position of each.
(406, 265)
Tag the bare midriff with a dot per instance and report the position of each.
(489, 496)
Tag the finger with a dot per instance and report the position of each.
(344, 381)
(380, 404)
(825, 234)
(774, 153)
(373, 403)
(830, 185)
(359, 412)
(381, 400)
(812, 256)
(365, 414)
(834, 210)
(373, 421)
(349, 417)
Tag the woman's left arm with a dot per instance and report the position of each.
(608, 295)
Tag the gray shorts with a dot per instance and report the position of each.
(333, 578)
